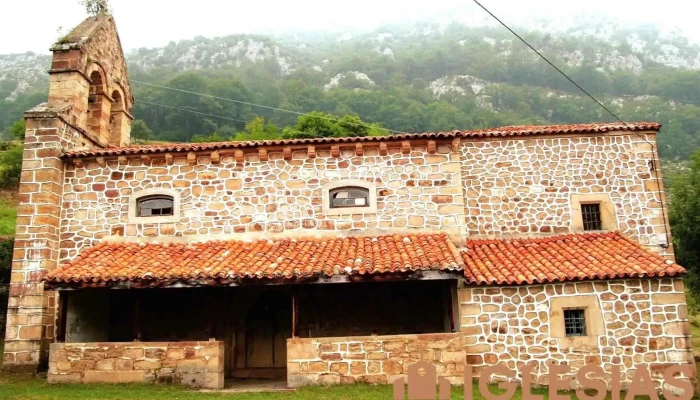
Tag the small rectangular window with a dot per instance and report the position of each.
(151, 206)
(590, 214)
(349, 197)
(575, 322)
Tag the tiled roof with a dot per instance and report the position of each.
(562, 258)
(284, 258)
(506, 131)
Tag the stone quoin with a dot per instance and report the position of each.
(334, 260)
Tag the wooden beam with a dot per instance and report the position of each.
(287, 153)
(455, 145)
(383, 150)
(262, 154)
(232, 282)
(359, 150)
(432, 147)
(169, 159)
(311, 151)
(335, 151)
(101, 161)
(191, 158)
(239, 156)
(405, 147)
(215, 157)
(145, 159)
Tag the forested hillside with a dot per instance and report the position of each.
(409, 78)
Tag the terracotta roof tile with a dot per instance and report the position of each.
(490, 132)
(284, 258)
(562, 258)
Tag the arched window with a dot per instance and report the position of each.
(117, 120)
(98, 107)
(349, 196)
(156, 205)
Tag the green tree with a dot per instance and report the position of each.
(257, 129)
(11, 167)
(684, 216)
(96, 7)
(139, 130)
(214, 137)
(318, 124)
(17, 129)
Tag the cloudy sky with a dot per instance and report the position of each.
(33, 25)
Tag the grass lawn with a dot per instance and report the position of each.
(8, 213)
(27, 387)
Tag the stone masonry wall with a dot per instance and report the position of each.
(645, 323)
(195, 364)
(525, 186)
(225, 197)
(372, 359)
(30, 313)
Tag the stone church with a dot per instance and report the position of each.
(332, 260)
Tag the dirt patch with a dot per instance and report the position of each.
(9, 196)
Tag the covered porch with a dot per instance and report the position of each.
(248, 324)
(253, 324)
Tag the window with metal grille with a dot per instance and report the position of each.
(590, 214)
(575, 322)
(349, 197)
(152, 206)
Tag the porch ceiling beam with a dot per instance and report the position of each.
(145, 284)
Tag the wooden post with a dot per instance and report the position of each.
(450, 306)
(62, 316)
(137, 317)
(295, 315)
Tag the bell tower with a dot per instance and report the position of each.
(89, 106)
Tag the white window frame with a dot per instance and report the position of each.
(134, 218)
(371, 207)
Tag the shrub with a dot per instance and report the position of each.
(11, 167)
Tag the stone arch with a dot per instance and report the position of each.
(117, 118)
(99, 104)
(125, 99)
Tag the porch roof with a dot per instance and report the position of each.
(562, 258)
(283, 258)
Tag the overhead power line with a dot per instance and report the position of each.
(653, 162)
(207, 114)
(259, 105)
(192, 111)
(552, 64)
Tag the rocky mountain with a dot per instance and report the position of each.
(454, 64)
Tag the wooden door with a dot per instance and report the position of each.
(268, 326)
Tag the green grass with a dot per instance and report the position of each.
(28, 387)
(8, 213)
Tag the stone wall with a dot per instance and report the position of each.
(226, 197)
(525, 186)
(195, 364)
(372, 359)
(30, 312)
(643, 322)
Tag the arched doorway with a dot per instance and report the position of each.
(268, 326)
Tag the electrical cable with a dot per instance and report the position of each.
(653, 161)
